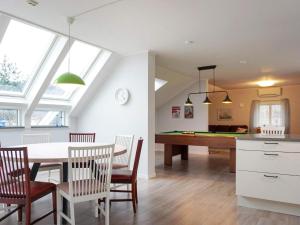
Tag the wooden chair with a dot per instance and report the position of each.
(82, 137)
(88, 184)
(122, 176)
(35, 138)
(123, 161)
(20, 190)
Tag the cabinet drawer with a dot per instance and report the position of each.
(282, 146)
(268, 186)
(267, 161)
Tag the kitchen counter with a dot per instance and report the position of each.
(259, 137)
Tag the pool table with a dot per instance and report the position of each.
(177, 142)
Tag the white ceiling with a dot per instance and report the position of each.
(265, 33)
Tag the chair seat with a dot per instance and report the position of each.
(121, 176)
(84, 189)
(116, 166)
(39, 189)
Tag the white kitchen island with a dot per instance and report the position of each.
(268, 173)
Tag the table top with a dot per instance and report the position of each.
(55, 152)
(203, 133)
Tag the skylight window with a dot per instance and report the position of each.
(22, 50)
(82, 57)
(159, 83)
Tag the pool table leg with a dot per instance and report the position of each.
(171, 150)
(232, 160)
(168, 153)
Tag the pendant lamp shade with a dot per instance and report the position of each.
(68, 77)
(227, 100)
(207, 101)
(188, 102)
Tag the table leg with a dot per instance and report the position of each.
(168, 154)
(184, 149)
(65, 202)
(232, 160)
(34, 170)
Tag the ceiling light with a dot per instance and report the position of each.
(266, 83)
(189, 42)
(32, 2)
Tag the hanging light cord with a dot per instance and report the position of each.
(69, 54)
(96, 8)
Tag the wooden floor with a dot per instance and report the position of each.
(197, 192)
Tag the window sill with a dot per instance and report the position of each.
(49, 127)
(11, 128)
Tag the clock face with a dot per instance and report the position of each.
(122, 96)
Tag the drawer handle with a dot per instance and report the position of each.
(271, 143)
(271, 154)
(269, 176)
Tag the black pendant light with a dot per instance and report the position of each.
(207, 101)
(227, 100)
(188, 102)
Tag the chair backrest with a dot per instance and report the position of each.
(94, 180)
(35, 138)
(137, 158)
(272, 130)
(125, 141)
(14, 160)
(82, 137)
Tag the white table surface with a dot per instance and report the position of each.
(55, 152)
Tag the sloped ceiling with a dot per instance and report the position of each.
(248, 40)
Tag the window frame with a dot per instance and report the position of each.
(64, 122)
(19, 118)
(28, 85)
(269, 104)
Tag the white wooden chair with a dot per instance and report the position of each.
(35, 138)
(86, 184)
(272, 130)
(123, 161)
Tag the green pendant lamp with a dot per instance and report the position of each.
(68, 78)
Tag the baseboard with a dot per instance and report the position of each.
(267, 205)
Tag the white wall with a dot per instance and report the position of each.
(165, 122)
(107, 118)
(11, 136)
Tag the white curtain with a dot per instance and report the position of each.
(285, 115)
(254, 116)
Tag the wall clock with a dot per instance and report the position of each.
(122, 96)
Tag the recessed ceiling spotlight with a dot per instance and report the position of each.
(188, 42)
(266, 83)
(243, 62)
(32, 2)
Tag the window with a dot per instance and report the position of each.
(48, 118)
(79, 66)
(159, 83)
(271, 114)
(9, 117)
(22, 50)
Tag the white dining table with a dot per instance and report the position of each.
(57, 152)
